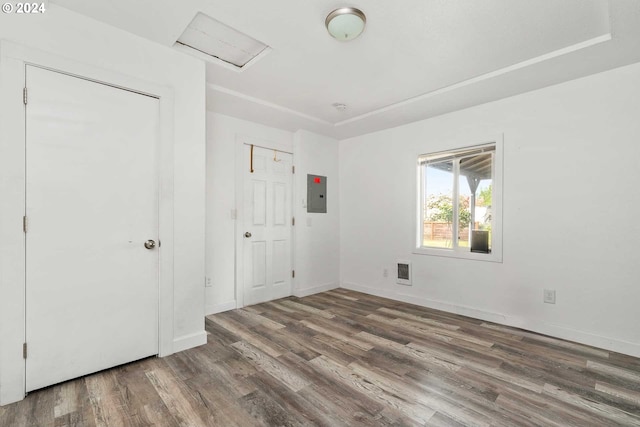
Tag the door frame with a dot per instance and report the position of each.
(241, 141)
(13, 61)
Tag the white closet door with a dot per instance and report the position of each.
(92, 202)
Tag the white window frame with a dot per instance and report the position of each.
(496, 205)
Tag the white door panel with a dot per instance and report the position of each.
(92, 202)
(267, 217)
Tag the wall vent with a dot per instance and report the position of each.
(403, 272)
(218, 41)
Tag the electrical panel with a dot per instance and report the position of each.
(316, 194)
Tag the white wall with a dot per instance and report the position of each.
(571, 208)
(83, 40)
(317, 242)
(224, 135)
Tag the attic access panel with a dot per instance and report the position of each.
(316, 194)
(213, 38)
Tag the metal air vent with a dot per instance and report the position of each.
(403, 272)
(217, 41)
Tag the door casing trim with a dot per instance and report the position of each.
(13, 61)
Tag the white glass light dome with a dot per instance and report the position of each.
(345, 23)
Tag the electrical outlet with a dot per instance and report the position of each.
(207, 282)
(385, 273)
(549, 296)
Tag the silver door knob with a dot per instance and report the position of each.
(247, 234)
(150, 244)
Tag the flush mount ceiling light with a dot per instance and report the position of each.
(345, 23)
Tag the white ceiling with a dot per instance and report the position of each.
(415, 59)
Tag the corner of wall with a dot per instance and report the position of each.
(317, 235)
(305, 292)
(221, 307)
(188, 341)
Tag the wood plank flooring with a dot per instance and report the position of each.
(343, 358)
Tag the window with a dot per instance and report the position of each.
(459, 203)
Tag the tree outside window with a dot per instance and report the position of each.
(465, 176)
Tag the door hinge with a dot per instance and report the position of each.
(293, 273)
(293, 220)
(24, 350)
(293, 169)
(24, 223)
(24, 95)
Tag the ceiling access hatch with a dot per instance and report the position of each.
(210, 39)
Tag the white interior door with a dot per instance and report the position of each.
(92, 202)
(267, 223)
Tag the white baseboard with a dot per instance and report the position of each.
(533, 325)
(189, 341)
(11, 392)
(219, 308)
(314, 290)
(576, 335)
(425, 302)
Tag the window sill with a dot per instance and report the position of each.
(494, 256)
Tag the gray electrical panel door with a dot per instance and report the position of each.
(316, 194)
